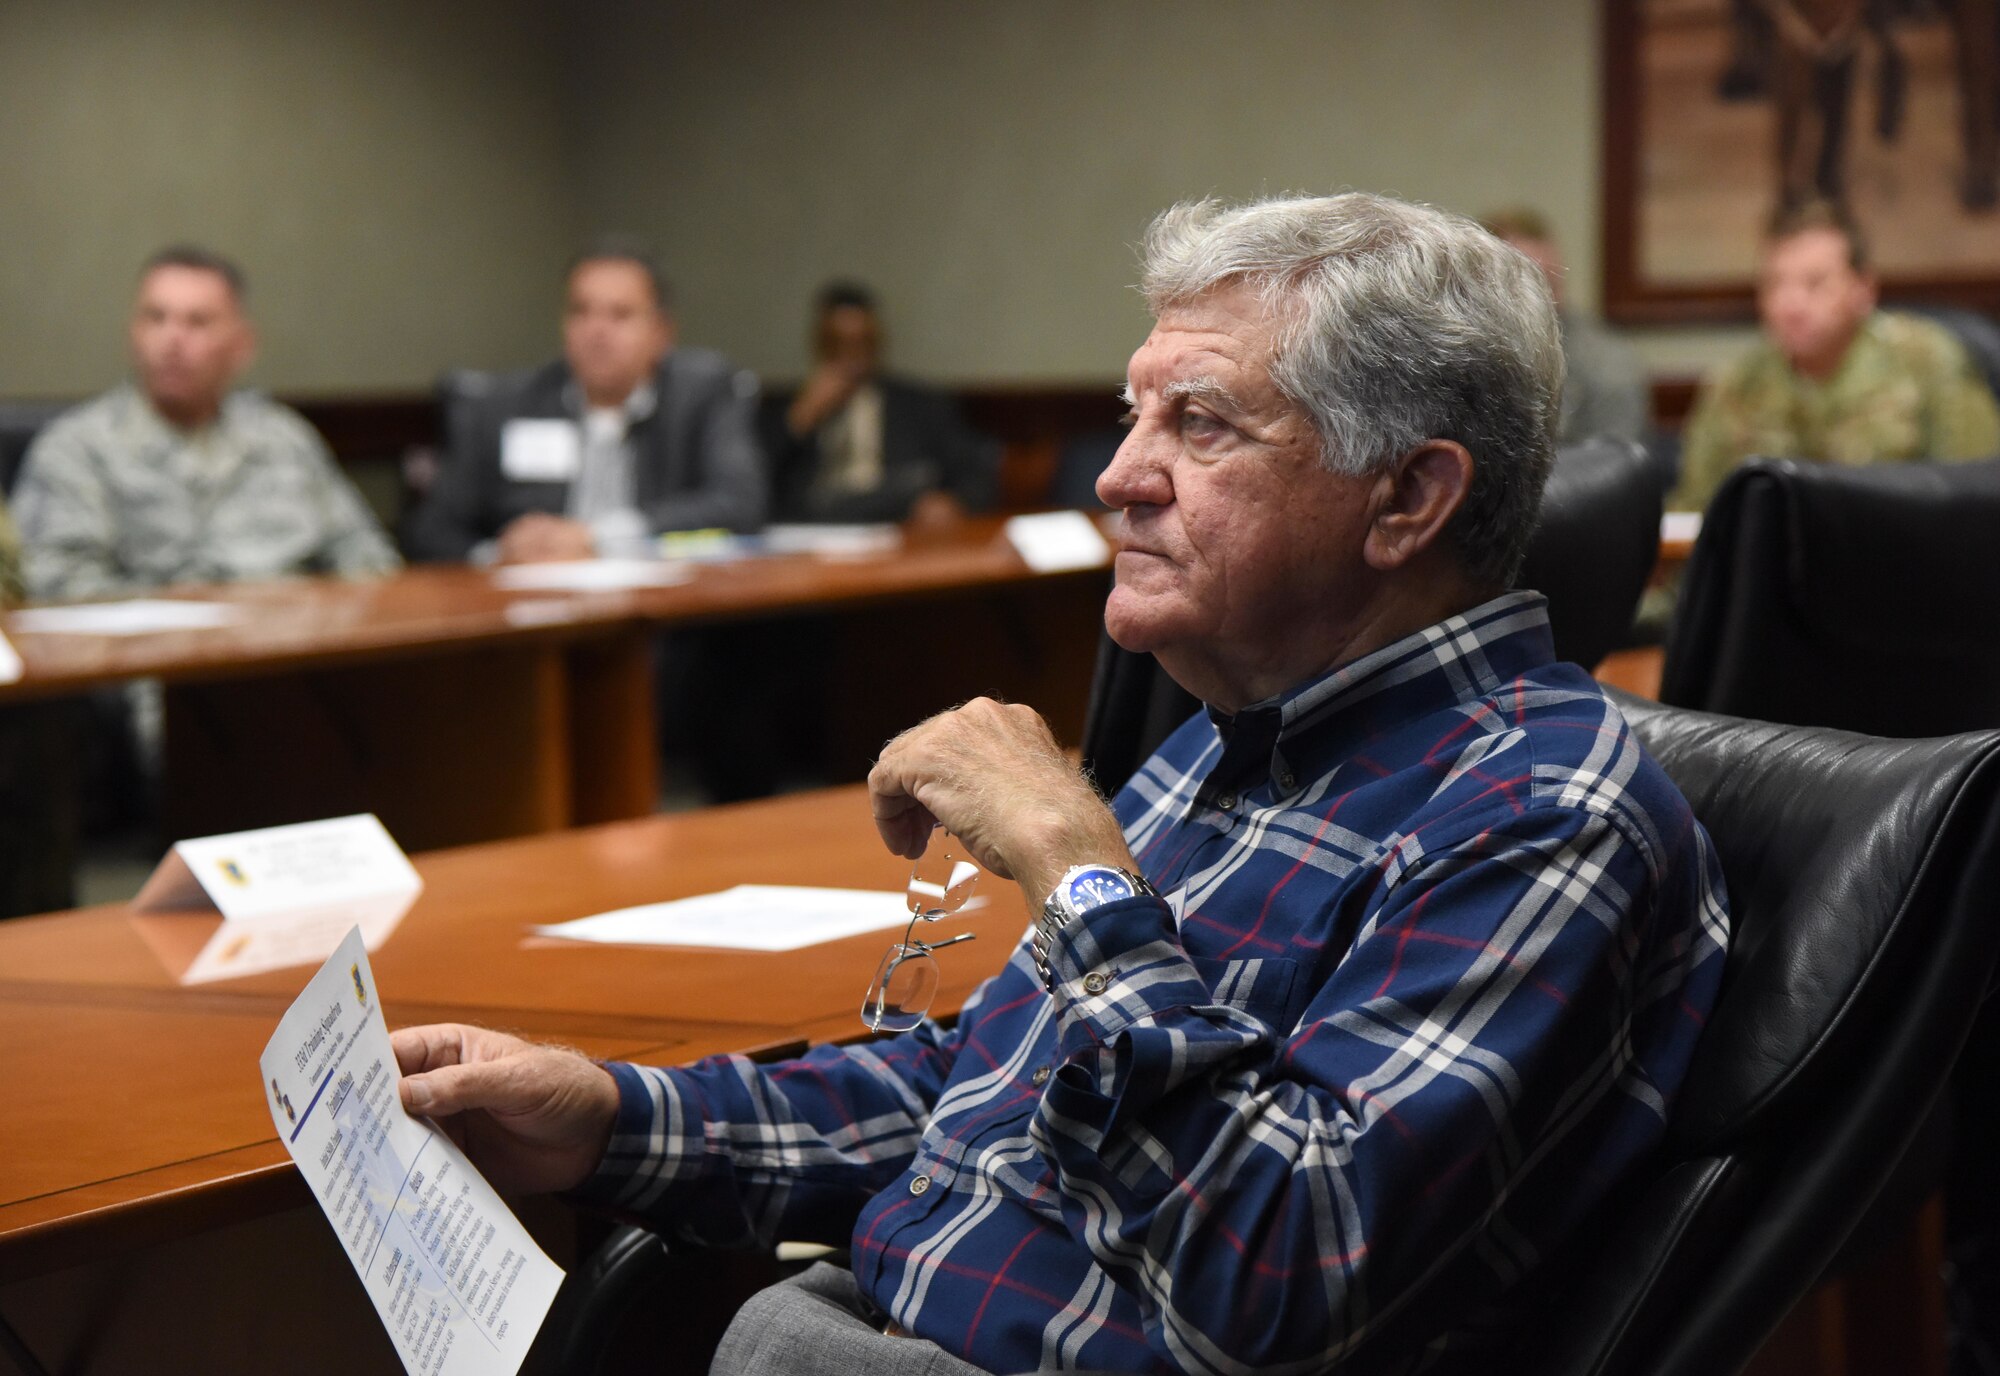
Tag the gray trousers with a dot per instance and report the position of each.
(814, 1323)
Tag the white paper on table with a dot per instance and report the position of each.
(590, 575)
(11, 667)
(138, 616)
(749, 917)
(456, 1280)
(540, 451)
(1056, 541)
(833, 541)
(285, 896)
(1680, 525)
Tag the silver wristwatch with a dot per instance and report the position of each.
(1083, 888)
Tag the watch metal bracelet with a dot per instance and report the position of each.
(1056, 913)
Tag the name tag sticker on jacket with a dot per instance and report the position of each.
(540, 451)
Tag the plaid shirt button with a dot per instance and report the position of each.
(920, 1184)
(1096, 982)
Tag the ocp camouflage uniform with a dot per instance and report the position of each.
(1906, 390)
(112, 499)
(11, 588)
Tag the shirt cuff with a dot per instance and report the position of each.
(1115, 966)
(656, 1140)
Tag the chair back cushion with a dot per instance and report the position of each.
(1839, 852)
(1595, 546)
(460, 393)
(1863, 598)
(1861, 873)
(20, 422)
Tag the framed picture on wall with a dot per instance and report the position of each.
(1716, 112)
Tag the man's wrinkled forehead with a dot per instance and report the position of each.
(1219, 359)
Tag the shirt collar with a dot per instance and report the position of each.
(156, 427)
(1457, 661)
(640, 403)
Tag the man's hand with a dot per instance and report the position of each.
(539, 538)
(532, 1118)
(992, 775)
(936, 510)
(825, 392)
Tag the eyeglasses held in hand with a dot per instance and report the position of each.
(900, 994)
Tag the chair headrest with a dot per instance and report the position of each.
(1875, 555)
(1840, 852)
(1594, 545)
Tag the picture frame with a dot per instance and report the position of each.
(1709, 125)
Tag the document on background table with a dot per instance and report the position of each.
(749, 917)
(458, 1282)
(590, 575)
(140, 616)
(832, 541)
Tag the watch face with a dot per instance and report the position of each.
(1098, 886)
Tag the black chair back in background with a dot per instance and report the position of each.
(1978, 334)
(20, 422)
(459, 393)
(1861, 873)
(1863, 598)
(1596, 545)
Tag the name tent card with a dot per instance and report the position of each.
(540, 451)
(456, 1280)
(249, 901)
(1058, 541)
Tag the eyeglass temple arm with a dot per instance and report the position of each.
(940, 945)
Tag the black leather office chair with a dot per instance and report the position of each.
(1596, 545)
(1979, 334)
(1864, 598)
(20, 422)
(1861, 875)
(459, 392)
(1592, 553)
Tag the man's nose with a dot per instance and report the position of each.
(1135, 474)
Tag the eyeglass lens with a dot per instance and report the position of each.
(902, 989)
(941, 880)
(900, 994)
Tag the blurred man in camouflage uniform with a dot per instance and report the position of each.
(1834, 380)
(179, 479)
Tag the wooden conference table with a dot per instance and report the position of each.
(459, 711)
(134, 1114)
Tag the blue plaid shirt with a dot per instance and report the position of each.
(1436, 942)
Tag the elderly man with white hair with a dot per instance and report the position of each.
(1375, 979)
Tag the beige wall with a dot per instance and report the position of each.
(402, 179)
(395, 177)
(988, 166)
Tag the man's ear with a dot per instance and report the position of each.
(1416, 498)
(1869, 293)
(245, 352)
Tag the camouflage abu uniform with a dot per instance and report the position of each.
(1905, 390)
(11, 587)
(112, 499)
